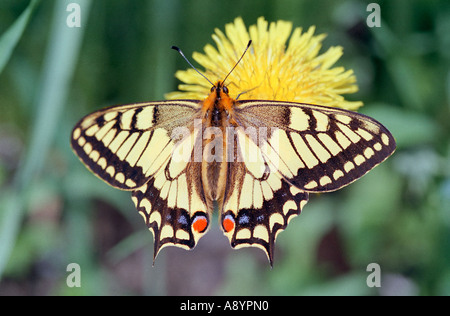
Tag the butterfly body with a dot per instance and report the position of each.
(215, 112)
(256, 160)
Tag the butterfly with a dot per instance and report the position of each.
(255, 161)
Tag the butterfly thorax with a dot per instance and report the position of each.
(217, 110)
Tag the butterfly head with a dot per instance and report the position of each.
(220, 90)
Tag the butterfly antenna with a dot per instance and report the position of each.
(187, 60)
(246, 49)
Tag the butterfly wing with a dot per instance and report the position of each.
(125, 145)
(256, 209)
(318, 148)
(295, 149)
(146, 148)
(173, 206)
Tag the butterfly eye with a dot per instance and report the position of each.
(225, 89)
(213, 88)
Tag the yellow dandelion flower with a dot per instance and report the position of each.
(272, 69)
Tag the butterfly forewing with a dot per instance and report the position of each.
(126, 145)
(318, 148)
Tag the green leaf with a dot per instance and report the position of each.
(59, 65)
(11, 37)
(10, 215)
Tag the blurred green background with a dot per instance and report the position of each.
(53, 211)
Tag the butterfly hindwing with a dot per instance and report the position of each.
(256, 211)
(173, 207)
(259, 203)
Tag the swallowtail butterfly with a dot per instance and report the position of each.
(256, 161)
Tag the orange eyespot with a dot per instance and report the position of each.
(200, 224)
(228, 223)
